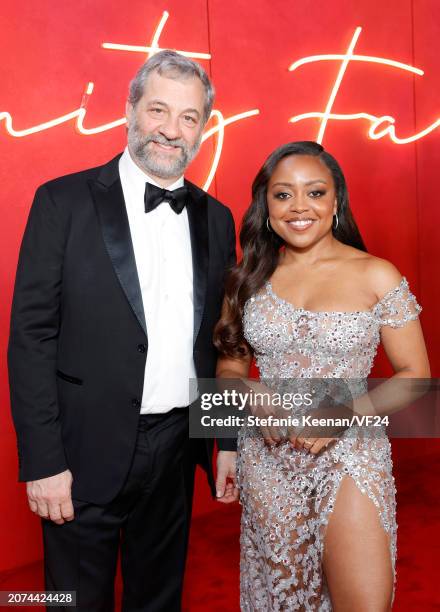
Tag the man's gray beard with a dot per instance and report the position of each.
(157, 164)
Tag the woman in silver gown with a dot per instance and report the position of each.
(318, 528)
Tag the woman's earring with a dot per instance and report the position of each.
(269, 229)
(337, 221)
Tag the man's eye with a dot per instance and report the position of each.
(156, 111)
(317, 194)
(189, 119)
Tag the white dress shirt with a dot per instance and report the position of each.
(162, 249)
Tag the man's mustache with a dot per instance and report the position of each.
(175, 142)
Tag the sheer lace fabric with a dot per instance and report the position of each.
(288, 495)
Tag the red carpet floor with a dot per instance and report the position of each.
(212, 576)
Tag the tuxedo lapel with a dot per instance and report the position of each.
(197, 207)
(112, 214)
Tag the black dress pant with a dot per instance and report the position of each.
(148, 521)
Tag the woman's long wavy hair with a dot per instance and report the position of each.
(261, 247)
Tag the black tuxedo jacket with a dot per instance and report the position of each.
(79, 341)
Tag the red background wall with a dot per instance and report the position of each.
(50, 50)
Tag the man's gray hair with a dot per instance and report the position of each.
(174, 66)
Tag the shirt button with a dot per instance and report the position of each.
(135, 403)
(141, 348)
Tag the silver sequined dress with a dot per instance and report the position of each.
(287, 494)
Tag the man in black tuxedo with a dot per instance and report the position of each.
(118, 288)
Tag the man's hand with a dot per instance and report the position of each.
(51, 497)
(226, 483)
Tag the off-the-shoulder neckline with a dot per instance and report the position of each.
(270, 291)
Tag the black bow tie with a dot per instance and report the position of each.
(156, 195)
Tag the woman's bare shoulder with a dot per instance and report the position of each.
(381, 275)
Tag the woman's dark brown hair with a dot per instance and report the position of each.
(261, 247)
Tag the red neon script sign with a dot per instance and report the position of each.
(375, 122)
(379, 126)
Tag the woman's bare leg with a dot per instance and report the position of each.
(357, 559)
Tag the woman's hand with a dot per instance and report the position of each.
(312, 445)
(328, 423)
(314, 438)
(226, 482)
(264, 409)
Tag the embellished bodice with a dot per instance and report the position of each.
(290, 342)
